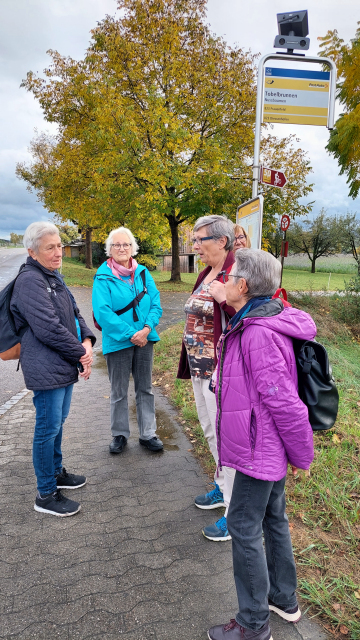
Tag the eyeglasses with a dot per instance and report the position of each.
(225, 276)
(241, 237)
(201, 240)
(117, 246)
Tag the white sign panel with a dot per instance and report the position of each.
(296, 96)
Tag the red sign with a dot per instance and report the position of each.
(284, 249)
(285, 222)
(272, 177)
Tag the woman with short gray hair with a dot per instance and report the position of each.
(56, 346)
(261, 272)
(207, 313)
(262, 427)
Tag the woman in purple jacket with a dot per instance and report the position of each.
(262, 425)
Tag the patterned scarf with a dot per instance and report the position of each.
(118, 270)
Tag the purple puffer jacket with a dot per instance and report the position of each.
(261, 422)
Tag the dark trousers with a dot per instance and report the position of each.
(138, 362)
(257, 507)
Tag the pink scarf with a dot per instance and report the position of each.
(118, 270)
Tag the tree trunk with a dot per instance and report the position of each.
(313, 265)
(175, 263)
(88, 249)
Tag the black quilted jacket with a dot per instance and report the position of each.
(50, 348)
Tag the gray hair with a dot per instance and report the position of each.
(260, 269)
(35, 232)
(108, 241)
(218, 226)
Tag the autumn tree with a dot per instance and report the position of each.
(316, 238)
(155, 126)
(68, 233)
(274, 241)
(349, 235)
(15, 238)
(344, 142)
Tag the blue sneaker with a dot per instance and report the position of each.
(217, 532)
(211, 500)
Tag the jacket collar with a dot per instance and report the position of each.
(34, 263)
(267, 310)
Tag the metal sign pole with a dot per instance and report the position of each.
(282, 256)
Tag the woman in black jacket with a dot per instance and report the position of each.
(55, 347)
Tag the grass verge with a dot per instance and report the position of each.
(324, 510)
(299, 280)
(76, 274)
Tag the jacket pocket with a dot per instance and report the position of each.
(253, 430)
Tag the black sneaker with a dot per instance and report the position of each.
(117, 445)
(56, 504)
(154, 444)
(234, 631)
(67, 480)
(292, 614)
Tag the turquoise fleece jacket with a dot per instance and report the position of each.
(111, 294)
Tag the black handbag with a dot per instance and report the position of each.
(317, 388)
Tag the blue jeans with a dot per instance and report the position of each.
(258, 507)
(52, 408)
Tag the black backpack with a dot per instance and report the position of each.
(317, 388)
(10, 339)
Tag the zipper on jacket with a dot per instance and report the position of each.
(219, 380)
(252, 433)
(218, 432)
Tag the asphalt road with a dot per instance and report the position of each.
(11, 381)
(10, 261)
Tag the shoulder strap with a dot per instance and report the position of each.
(283, 298)
(135, 302)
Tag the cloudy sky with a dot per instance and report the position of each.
(30, 27)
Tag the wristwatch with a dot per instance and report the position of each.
(148, 326)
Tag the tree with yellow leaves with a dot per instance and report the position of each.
(155, 124)
(344, 142)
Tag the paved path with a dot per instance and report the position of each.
(133, 563)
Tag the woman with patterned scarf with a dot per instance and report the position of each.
(127, 307)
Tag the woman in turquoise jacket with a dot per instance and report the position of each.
(127, 307)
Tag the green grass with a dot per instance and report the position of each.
(162, 279)
(299, 280)
(323, 510)
(76, 274)
(348, 269)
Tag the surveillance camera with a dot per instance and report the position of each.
(291, 42)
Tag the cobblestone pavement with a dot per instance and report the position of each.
(133, 563)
